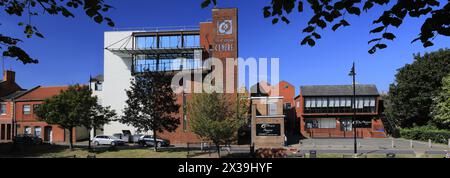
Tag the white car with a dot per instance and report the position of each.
(107, 140)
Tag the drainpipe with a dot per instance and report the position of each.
(14, 125)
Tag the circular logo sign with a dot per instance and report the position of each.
(225, 27)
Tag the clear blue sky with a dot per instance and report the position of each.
(73, 48)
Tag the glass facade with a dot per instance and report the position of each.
(339, 104)
(167, 41)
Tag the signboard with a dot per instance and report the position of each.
(268, 129)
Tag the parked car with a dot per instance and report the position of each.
(125, 138)
(147, 140)
(27, 139)
(136, 137)
(107, 140)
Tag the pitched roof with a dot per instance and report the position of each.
(338, 90)
(13, 95)
(42, 93)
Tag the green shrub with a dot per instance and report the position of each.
(426, 132)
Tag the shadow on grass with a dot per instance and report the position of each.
(10, 150)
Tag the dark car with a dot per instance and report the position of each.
(27, 139)
(147, 140)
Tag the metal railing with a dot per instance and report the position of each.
(159, 29)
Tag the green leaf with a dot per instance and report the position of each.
(285, 20)
(378, 29)
(316, 35)
(389, 36)
(300, 6)
(275, 21)
(308, 29)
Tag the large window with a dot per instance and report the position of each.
(27, 130)
(167, 41)
(322, 123)
(37, 132)
(26, 109)
(147, 63)
(339, 104)
(2, 108)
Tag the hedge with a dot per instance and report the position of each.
(425, 133)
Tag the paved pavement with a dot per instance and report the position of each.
(369, 144)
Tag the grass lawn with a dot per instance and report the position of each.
(54, 151)
(127, 153)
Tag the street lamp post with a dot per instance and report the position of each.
(353, 74)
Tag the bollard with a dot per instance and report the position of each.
(411, 144)
(359, 144)
(429, 143)
(393, 144)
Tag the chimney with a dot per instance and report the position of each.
(9, 75)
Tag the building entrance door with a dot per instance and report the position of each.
(48, 134)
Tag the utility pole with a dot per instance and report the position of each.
(353, 74)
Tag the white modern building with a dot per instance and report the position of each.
(131, 52)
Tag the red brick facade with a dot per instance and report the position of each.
(8, 87)
(376, 129)
(218, 44)
(29, 123)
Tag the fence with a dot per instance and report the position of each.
(198, 148)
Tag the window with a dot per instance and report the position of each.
(348, 102)
(146, 42)
(307, 102)
(35, 107)
(287, 105)
(272, 109)
(372, 102)
(331, 102)
(342, 102)
(26, 109)
(192, 40)
(313, 102)
(98, 86)
(27, 130)
(37, 132)
(324, 102)
(170, 41)
(2, 108)
(322, 123)
(346, 125)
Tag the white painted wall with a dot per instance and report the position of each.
(117, 76)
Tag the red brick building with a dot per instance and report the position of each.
(9, 90)
(28, 123)
(218, 39)
(326, 111)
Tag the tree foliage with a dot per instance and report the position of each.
(333, 14)
(28, 9)
(441, 105)
(416, 84)
(217, 117)
(99, 116)
(151, 104)
(70, 109)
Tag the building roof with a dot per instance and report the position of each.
(339, 90)
(98, 78)
(41, 93)
(13, 95)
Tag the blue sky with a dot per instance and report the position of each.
(73, 48)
